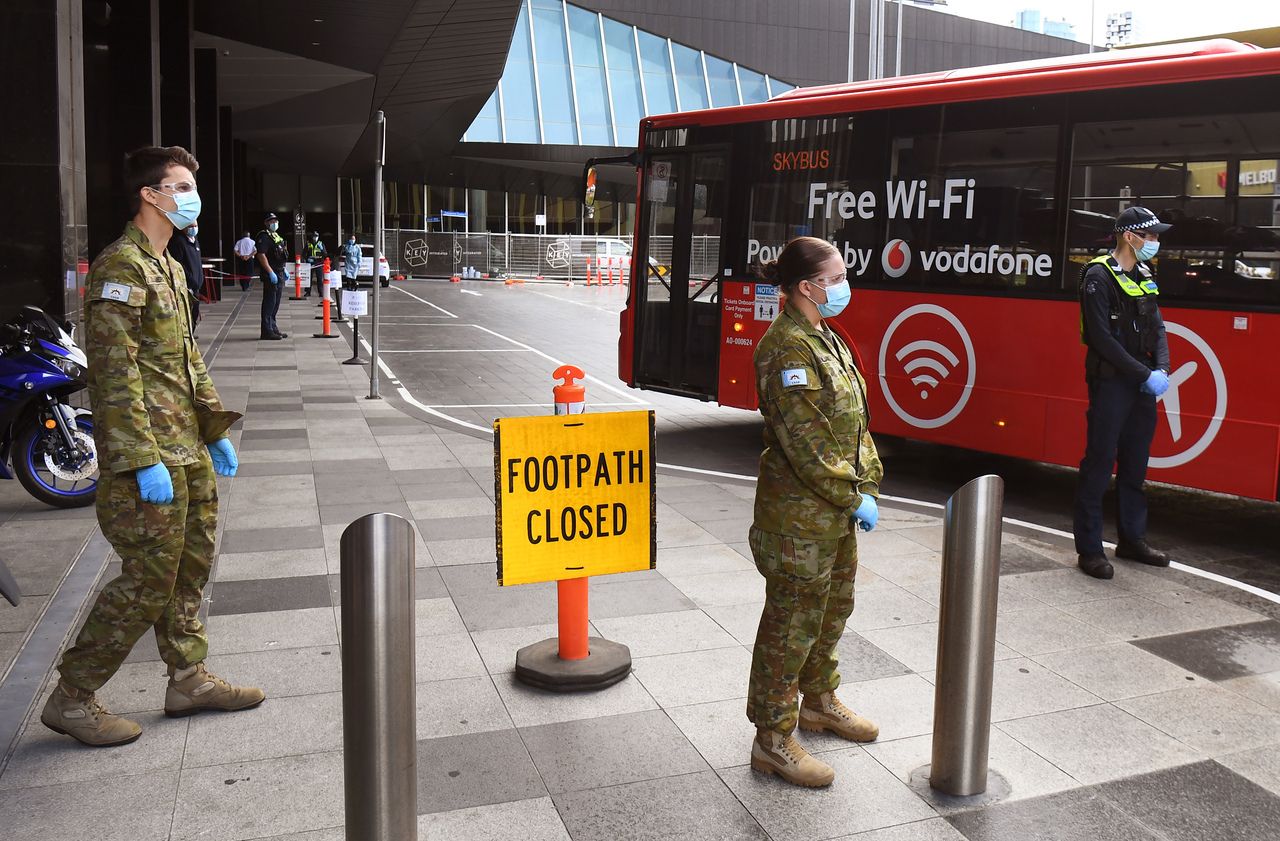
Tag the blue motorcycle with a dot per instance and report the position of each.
(48, 440)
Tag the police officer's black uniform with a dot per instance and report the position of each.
(187, 252)
(1120, 323)
(271, 244)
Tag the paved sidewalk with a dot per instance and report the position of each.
(1147, 707)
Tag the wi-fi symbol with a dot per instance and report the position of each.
(914, 359)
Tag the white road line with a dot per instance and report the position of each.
(470, 292)
(1211, 576)
(508, 405)
(423, 300)
(575, 303)
(632, 400)
(462, 350)
(409, 398)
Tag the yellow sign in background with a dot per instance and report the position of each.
(575, 495)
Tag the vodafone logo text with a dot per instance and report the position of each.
(896, 258)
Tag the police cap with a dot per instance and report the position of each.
(1140, 220)
(270, 217)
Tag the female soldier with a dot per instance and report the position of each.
(819, 475)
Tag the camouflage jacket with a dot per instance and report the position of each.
(818, 457)
(152, 398)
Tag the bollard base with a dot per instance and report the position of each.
(998, 789)
(540, 665)
(355, 360)
(325, 336)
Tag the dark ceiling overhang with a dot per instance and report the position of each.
(428, 65)
(519, 168)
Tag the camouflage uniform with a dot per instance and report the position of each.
(153, 402)
(818, 461)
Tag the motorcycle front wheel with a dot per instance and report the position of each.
(53, 474)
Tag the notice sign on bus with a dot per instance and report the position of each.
(574, 495)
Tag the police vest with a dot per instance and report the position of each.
(315, 249)
(1133, 289)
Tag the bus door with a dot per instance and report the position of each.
(677, 312)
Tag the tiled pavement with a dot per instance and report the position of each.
(1143, 708)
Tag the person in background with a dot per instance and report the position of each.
(185, 248)
(272, 254)
(351, 255)
(245, 250)
(315, 254)
(819, 479)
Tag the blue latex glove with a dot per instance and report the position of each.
(155, 484)
(868, 513)
(1157, 383)
(224, 458)
(275, 281)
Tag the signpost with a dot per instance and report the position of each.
(575, 497)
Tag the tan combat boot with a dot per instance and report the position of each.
(78, 714)
(825, 712)
(194, 689)
(775, 753)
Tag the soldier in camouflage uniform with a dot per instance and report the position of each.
(161, 434)
(819, 475)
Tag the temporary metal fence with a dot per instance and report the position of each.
(415, 253)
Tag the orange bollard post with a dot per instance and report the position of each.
(297, 276)
(325, 303)
(571, 599)
(572, 661)
(571, 594)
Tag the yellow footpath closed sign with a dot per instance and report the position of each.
(575, 495)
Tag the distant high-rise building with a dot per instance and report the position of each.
(1033, 20)
(1059, 29)
(1120, 29)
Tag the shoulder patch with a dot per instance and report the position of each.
(115, 292)
(795, 377)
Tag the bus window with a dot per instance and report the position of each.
(1218, 192)
(992, 175)
(793, 167)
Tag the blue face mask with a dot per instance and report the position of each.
(1147, 251)
(837, 299)
(188, 209)
(271, 226)
(193, 231)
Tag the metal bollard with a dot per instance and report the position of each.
(967, 637)
(378, 701)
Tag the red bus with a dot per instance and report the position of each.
(966, 204)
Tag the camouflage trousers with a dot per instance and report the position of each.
(808, 598)
(166, 552)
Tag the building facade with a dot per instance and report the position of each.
(492, 107)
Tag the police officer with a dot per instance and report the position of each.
(315, 252)
(272, 255)
(819, 476)
(161, 434)
(1126, 369)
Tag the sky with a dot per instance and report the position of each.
(1154, 21)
